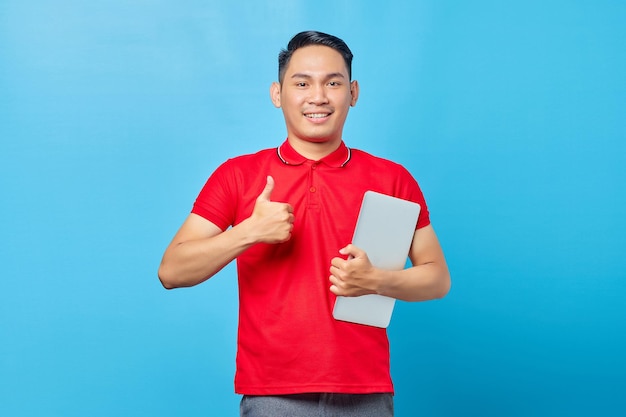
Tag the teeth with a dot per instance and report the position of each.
(316, 115)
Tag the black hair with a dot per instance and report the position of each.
(308, 38)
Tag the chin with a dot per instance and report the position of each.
(321, 138)
(318, 140)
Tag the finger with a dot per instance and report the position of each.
(334, 270)
(336, 282)
(267, 191)
(337, 263)
(352, 251)
(337, 287)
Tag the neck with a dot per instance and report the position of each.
(314, 150)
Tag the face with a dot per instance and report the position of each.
(315, 96)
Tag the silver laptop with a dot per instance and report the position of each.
(384, 230)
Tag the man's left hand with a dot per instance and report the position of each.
(355, 275)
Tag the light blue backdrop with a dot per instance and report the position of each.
(509, 114)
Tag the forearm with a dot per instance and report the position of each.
(191, 262)
(427, 279)
(419, 283)
(200, 249)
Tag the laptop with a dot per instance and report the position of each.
(384, 230)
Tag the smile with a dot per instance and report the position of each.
(317, 115)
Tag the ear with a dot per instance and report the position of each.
(354, 91)
(275, 94)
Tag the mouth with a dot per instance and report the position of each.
(316, 115)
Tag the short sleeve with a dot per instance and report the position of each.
(217, 200)
(410, 190)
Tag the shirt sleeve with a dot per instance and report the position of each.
(410, 190)
(217, 200)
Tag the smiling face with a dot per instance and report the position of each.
(315, 96)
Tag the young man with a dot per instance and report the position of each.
(287, 215)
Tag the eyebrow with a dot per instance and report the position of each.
(308, 76)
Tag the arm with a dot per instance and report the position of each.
(200, 249)
(427, 279)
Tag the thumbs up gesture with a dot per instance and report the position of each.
(273, 221)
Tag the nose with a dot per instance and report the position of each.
(318, 94)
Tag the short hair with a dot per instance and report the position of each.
(312, 37)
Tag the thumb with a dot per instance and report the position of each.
(267, 191)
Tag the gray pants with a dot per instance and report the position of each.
(318, 405)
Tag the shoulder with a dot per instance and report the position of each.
(361, 157)
(389, 176)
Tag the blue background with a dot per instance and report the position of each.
(509, 114)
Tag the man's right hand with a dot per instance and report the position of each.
(201, 248)
(273, 221)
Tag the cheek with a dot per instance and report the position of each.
(291, 106)
(292, 114)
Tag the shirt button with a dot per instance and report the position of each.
(314, 166)
(312, 189)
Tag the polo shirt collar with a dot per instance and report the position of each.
(337, 159)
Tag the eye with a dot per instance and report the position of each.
(301, 84)
(334, 83)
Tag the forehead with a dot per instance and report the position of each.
(316, 59)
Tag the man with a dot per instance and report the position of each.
(287, 215)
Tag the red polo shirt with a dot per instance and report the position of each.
(288, 341)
